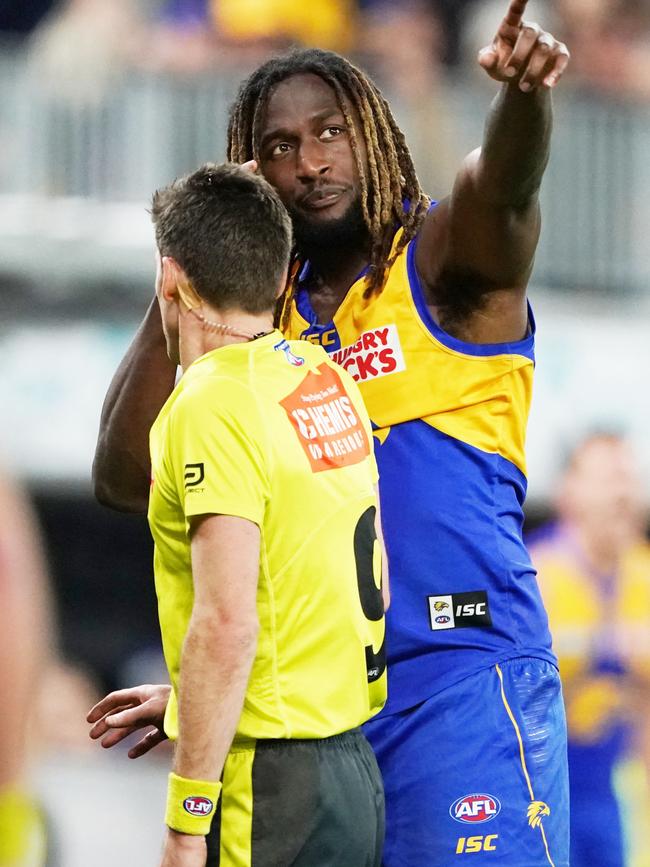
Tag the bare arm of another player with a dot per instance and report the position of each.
(218, 651)
(24, 639)
(477, 247)
(142, 383)
(24, 626)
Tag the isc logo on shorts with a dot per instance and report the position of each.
(474, 809)
(476, 844)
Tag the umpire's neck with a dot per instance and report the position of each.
(203, 328)
(192, 325)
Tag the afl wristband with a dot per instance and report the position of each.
(191, 804)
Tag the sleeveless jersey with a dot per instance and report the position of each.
(275, 433)
(449, 423)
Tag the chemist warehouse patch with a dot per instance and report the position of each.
(326, 421)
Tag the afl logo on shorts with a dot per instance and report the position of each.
(474, 809)
(442, 618)
(196, 805)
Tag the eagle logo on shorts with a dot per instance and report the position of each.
(535, 812)
(440, 605)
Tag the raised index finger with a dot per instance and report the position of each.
(515, 12)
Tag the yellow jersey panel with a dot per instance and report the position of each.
(273, 432)
(409, 368)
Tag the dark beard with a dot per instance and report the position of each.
(324, 242)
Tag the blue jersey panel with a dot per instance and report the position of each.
(452, 517)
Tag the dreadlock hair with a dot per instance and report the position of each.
(391, 195)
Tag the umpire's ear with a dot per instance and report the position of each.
(283, 283)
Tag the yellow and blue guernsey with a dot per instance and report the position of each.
(449, 421)
(601, 629)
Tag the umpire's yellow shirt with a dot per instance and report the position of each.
(274, 432)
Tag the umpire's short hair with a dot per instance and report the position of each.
(229, 232)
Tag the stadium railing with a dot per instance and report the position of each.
(147, 128)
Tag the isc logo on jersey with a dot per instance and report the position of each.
(474, 809)
(460, 610)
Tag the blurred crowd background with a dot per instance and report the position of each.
(102, 101)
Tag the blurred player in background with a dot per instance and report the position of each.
(24, 629)
(267, 563)
(426, 307)
(594, 572)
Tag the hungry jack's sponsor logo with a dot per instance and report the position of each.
(376, 353)
(325, 421)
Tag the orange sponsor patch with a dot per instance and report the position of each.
(326, 422)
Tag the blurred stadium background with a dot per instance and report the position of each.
(101, 101)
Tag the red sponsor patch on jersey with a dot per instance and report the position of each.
(376, 353)
(326, 421)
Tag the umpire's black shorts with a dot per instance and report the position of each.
(299, 803)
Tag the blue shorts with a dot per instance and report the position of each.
(480, 769)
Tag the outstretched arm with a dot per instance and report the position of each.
(24, 627)
(142, 383)
(24, 640)
(477, 248)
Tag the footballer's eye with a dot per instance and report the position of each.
(331, 132)
(280, 148)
